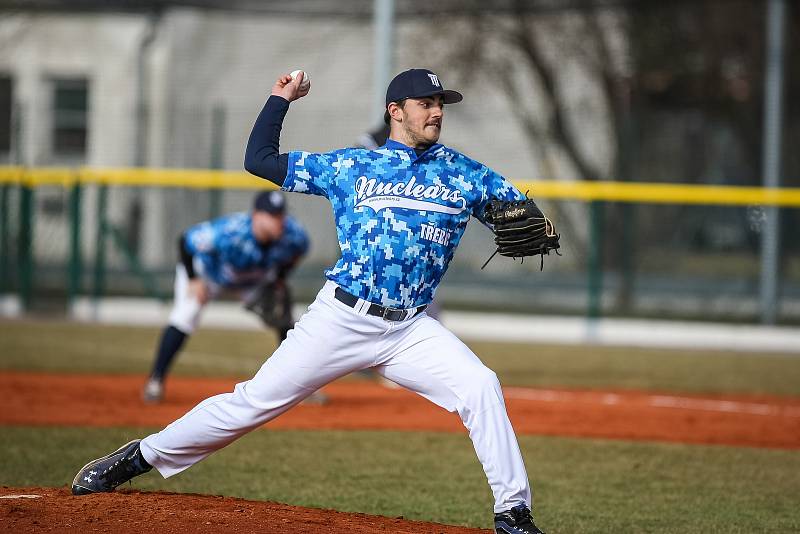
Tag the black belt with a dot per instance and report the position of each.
(389, 314)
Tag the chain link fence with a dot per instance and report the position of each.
(691, 261)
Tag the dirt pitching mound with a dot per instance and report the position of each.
(24, 510)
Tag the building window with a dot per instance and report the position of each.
(5, 114)
(70, 117)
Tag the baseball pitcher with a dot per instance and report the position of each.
(400, 211)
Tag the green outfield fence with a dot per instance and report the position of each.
(629, 248)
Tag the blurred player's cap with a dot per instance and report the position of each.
(271, 202)
(418, 83)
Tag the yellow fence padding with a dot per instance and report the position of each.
(655, 193)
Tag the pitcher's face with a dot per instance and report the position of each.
(420, 121)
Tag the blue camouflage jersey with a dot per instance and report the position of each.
(399, 217)
(232, 257)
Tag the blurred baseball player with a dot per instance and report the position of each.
(400, 212)
(247, 254)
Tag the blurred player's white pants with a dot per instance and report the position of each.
(332, 340)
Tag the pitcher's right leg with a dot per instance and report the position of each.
(428, 359)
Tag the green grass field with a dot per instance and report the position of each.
(88, 348)
(581, 485)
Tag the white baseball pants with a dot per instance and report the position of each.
(332, 340)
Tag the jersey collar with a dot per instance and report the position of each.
(391, 144)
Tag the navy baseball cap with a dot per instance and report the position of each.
(270, 202)
(418, 83)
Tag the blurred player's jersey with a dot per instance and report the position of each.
(399, 217)
(231, 256)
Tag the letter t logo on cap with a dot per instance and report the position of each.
(434, 79)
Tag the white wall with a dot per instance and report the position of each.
(101, 48)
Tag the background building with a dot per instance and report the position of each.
(563, 91)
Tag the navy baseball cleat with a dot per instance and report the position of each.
(104, 474)
(518, 520)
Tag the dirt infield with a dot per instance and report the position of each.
(97, 400)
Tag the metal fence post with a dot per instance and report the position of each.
(628, 252)
(75, 260)
(218, 120)
(5, 252)
(25, 246)
(383, 24)
(771, 162)
(100, 250)
(595, 267)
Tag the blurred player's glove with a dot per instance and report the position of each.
(272, 302)
(521, 229)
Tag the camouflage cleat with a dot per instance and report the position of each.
(104, 474)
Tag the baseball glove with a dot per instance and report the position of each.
(272, 302)
(521, 230)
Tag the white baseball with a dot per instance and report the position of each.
(305, 85)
